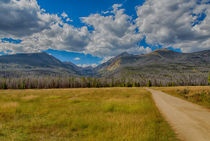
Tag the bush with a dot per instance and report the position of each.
(184, 91)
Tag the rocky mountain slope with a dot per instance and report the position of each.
(34, 64)
(159, 64)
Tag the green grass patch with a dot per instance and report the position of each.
(103, 114)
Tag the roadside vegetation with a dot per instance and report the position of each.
(196, 94)
(81, 114)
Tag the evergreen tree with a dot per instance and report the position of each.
(83, 79)
(149, 83)
(4, 85)
(209, 79)
(112, 84)
(173, 84)
(23, 85)
(94, 82)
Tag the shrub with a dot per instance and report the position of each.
(184, 91)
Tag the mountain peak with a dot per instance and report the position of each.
(40, 59)
(163, 50)
(123, 54)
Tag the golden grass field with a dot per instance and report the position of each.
(105, 114)
(196, 94)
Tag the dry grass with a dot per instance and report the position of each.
(9, 105)
(29, 97)
(106, 114)
(196, 94)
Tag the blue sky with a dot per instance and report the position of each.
(76, 58)
(76, 10)
(89, 32)
(83, 8)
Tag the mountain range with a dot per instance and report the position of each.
(160, 64)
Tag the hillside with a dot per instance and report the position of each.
(34, 64)
(159, 65)
(159, 57)
(162, 64)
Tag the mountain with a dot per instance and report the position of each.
(35, 64)
(161, 64)
(82, 71)
(111, 63)
(32, 59)
(160, 57)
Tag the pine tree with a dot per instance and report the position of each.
(23, 85)
(173, 84)
(83, 79)
(4, 85)
(209, 79)
(149, 83)
(112, 83)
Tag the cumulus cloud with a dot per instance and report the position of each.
(38, 30)
(112, 34)
(64, 15)
(77, 59)
(69, 20)
(64, 37)
(176, 23)
(87, 65)
(116, 7)
(141, 49)
(23, 17)
(182, 24)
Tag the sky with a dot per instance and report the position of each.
(89, 32)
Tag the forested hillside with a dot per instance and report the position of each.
(158, 68)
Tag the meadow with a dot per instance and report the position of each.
(196, 94)
(89, 114)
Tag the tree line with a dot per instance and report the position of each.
(49, 82)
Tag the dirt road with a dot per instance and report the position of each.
(191, 122)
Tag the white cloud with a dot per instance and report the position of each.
(69, 20)
(163, 22)
(23, 17)
(112, 34)
(175, 23)
(64, 37)
(64, 15)
(105, 59)
(37, 29)
(105, 12)
(87, 65)
(77, 59)
(116, 7)
(141, 49)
